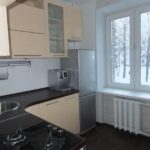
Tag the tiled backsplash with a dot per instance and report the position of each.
(25, 78)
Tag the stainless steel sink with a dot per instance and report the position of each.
(8, 106)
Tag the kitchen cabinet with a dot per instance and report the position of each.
(56, 43)
(34, 110)
(63, 112)
(27, 30)
(6, 2)
(23, 17)
(42, 28)
(27, 45)
(73, 23)
(4, 38)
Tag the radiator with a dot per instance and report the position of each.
(127, 115)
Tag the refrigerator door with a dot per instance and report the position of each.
(81, 67)
(71, 65)
(87, 113)
(87, 73)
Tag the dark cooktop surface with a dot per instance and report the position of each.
(43, 136)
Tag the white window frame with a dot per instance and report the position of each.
(109, 82)
(138, 12)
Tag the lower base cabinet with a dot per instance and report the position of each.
(34, 110)
(63, 112)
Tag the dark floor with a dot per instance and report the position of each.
(105, 137)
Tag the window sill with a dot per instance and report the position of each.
(126, 93)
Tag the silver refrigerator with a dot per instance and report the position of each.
(82, 75)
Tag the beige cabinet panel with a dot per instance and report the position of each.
(33, 110)
(6, 2)
(72, 113)
(4, 39)
(63, 112)
(24, 44)
(73, 23)
(26, 18)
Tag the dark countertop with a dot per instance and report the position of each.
(27, 120)
(30, 98)
(11, 121)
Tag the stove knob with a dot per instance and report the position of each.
(55, 128)
(60, 133)
(54, 131)
(49, 126)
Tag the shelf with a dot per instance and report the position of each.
(126, 93)
(14, 63)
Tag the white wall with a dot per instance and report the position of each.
(103, 3)
(104, 9)
(23, 78)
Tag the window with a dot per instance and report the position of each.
(128, 49)
(120, 50)
(145, 48)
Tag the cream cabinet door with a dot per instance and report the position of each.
(35, 110)
(26, 45)
(4, 39)
(72, 113)
(6, 2)
(63, 112)
(26, 18)
(73, 23)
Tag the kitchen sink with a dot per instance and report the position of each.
(8, 106)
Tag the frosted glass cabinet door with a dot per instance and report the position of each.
(55, 17)
(4, 40)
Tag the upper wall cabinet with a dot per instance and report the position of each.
(4, 39)
(56, 43)
(27, 29)
(73, 23)
(23, 17)
(6, 2)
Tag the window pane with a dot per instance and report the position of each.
(120, 50)
(145, 48)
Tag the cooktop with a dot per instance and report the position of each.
(43, 136)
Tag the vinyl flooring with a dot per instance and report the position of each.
(105, 137)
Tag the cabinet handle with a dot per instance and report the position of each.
(51, 103)
(57, 55)
(75, 38)
(27, 55)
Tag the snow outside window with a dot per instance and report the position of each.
(128, 49)
(120, 50)
(145, 48)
